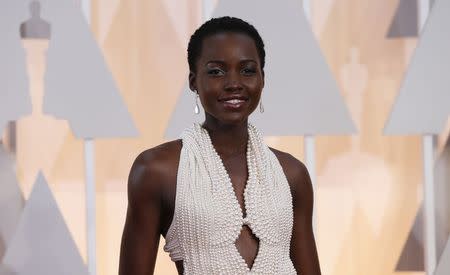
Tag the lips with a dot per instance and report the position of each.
(233, 97)
(233, 102)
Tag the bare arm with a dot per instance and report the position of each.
(141, 233)
(303, 246)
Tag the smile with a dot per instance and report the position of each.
(233, 103)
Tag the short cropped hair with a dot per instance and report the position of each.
(221, 25)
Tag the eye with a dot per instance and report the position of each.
(215, 72)
(248, 71)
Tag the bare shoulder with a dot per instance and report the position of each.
(150, 174)
(293, 168)
(153, 169)
(158, 159)
(295, 171)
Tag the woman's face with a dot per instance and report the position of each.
(228, 77)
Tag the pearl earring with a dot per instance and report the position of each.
(261, 107)
(196, 108)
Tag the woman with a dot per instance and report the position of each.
(225, 202)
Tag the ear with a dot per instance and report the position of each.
(192, 78)
(263, 78)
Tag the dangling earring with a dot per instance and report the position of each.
(261, 107)
(196, 108)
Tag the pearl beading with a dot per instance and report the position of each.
(208, 218)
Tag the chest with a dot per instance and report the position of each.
(235, 167)
(217, 203)
(237, 170)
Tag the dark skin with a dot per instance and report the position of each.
(228, 65)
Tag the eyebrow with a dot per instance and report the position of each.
(223, 62)
(248, 60)
(215, 61)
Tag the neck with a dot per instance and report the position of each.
(227, 139)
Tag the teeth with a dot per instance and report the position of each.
(234, 101)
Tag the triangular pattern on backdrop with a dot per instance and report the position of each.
(320, 15)
(411, 258)
(107, 10)
(334, 210)
(443, 267)
(299, 87)
(405, 22)
(11, 200)
(358, 240)
(79, 86)
(176, 10)
(422, 105)
(412, 255)
(42, 244)
(14, 85)
(183, 114)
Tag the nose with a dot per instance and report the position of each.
(233, 82)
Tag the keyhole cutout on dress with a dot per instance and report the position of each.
(247, 244)
(236, 167)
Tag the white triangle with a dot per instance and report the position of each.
(14, 98)
(373, 185)
(11, 201)
(42, 244)
(78, 84)
(178, 14)
(443, 267)
(367, 178)
(183, 115)
(107, 10)
(299, 86)
(335, 209)
(422, 106)
(321, 13)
